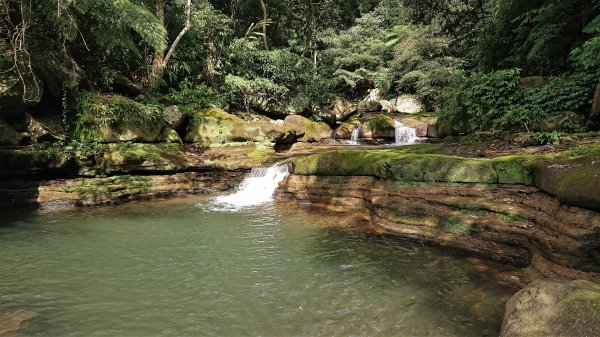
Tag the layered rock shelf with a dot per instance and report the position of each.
(503, 209)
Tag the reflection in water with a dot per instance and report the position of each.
(172, 269)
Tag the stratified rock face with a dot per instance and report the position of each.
(307, 130)
(487, 207)
(554, 309)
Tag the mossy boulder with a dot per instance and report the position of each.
(215, 127)
(307, 130)
(344, 131)
(573, 181)
(554, 308)
(378, 126)
(8, 135)
(109, 118)
(132, 157)
(402, 165)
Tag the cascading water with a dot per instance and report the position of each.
(404, 134)
(257, 188)
(354, 136)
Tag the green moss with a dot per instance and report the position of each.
(514, 218)
(259, 154)
(474, 211)
(111, 187)
(457, 226)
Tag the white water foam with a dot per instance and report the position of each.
(257, 188)
(404, 134)
(354, 136)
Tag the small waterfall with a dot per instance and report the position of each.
(404, 134)
(257, 188)
(354, 136)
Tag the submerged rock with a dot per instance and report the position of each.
(12, 321)
(554, 308)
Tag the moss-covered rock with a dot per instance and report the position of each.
(112, 118)
(554, 308)
(401, 165)
(131, 157)
(169, 135)
(573, 181)
(35, 163)
(8, 135)
(344, 131)
(378, 126)
(214, 127)
(307, 130)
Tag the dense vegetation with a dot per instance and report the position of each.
(466, 59)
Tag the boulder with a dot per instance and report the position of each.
(432, 131)
(533, 82)
(135, 157)
(560, 121)
(375, 95)
(214, 127)
(44, 128)
(8, 135)
(573, 181)
(173, 117)
(554, 308)
(13, 100)
(409, 104)
(422, 130)
(344, 131)
(59, 72)
(343, 109)
(370, 106)
(169, 135)
(307, 130)
(378, 126)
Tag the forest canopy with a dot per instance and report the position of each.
(466, 59)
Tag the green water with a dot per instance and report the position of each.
(173, 269)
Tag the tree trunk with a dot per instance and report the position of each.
(265, 25)
(595, 113)
(161, 63)
(159, 55)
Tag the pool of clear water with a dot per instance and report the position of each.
(173, 268)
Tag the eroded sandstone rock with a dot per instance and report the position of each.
(554, 309)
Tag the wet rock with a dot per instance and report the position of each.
(554, 308)
(378, 126)
(344, 131)
(15, 320)
(422, 130)
(307, 130)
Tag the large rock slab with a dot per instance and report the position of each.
(406, 103)
(307, 130)
(215, 127)
(554, 309)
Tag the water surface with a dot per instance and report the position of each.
(170, 268)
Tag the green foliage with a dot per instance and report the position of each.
(497, 102)
(545, 138)
(105, 109)
(192, 96)
(82, 150)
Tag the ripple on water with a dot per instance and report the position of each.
(172, 269)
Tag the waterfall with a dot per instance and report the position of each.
(257, 188)
(354, 136)
(404, 134)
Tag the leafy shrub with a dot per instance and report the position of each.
(95, 108)
(497, 102)
(192, 97)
